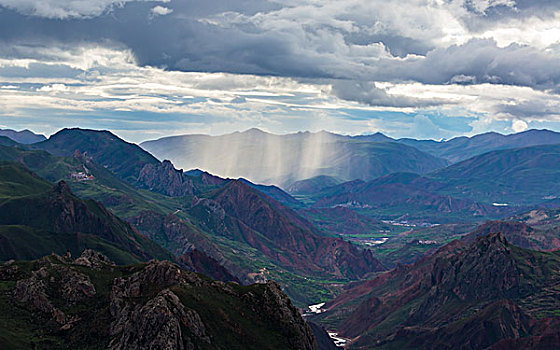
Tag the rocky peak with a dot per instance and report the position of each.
(495, 240)
(167, 165)
(62, 188)
(93, 259)
(516, 233)
(161, 273)
(486, 266)
(485, 270)
(164, 178)
(157, 325)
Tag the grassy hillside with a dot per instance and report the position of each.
(17, 180)
(38, 218)
(522, 176)
(122, 158)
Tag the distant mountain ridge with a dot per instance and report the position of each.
(124, 159)
(405, 194)
(285, 159)
(489, 185)
(23, 136)
(461, 148)
(519, 176)
(282, 159)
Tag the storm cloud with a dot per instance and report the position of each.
(364, 52)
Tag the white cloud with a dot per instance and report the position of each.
(481, 6)
(62, 9)
(160, 11)
(53, 88)
(519, 125)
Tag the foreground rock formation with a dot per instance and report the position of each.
(90, 303)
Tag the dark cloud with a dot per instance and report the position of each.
(537, 109)
(398, 46)
(181, 40)
(492, 16)
(476, 62)
(368, 93)
(350, 49)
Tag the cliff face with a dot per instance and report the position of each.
(77, 303)
(164, 178)
(202, 263)
(193, 249)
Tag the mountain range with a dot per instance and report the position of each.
(281, 160)
(23, 136)
(469, 226)
(285, 159)
(462, 148)
(232, 222)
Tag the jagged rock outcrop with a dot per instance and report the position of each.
(156, 305)
(164, 178)
(157, 324)
(93, 259)
(54, 279)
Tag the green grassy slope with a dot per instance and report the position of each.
(123, 158)
(522, 176)
(37, 218)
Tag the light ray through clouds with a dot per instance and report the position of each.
(414, 68)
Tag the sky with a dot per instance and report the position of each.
(409, 68)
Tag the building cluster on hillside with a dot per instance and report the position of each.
(81, 176)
